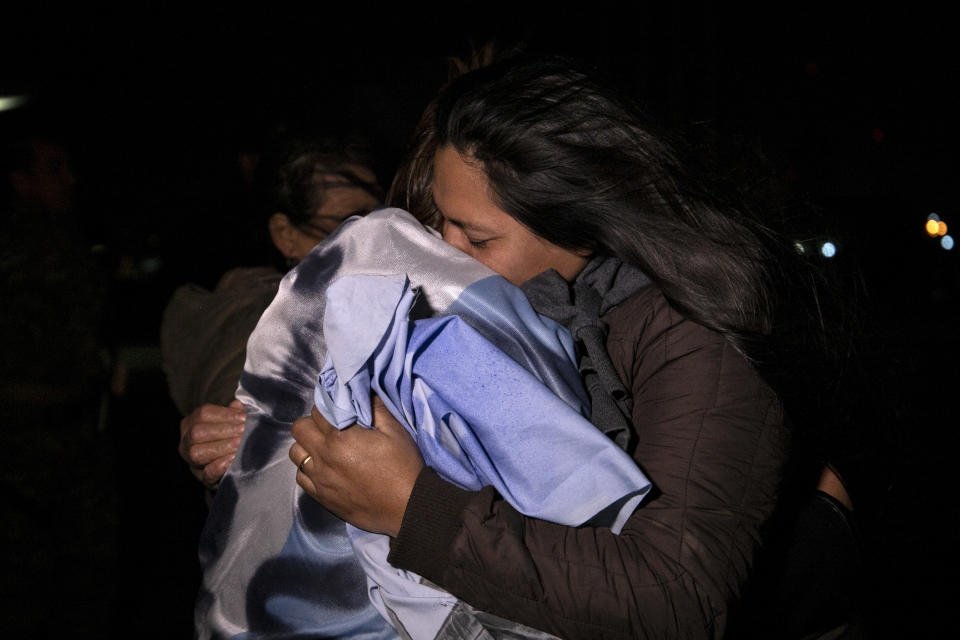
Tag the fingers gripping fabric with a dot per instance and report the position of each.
(348, 320)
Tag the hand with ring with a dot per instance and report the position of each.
(305, 461)
(364, 476)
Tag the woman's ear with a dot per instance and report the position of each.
(283, 234)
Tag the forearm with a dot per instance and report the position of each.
(572, 582)
(674, 570)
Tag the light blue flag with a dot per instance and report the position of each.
(487, 387)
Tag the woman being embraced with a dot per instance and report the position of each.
(544, 175)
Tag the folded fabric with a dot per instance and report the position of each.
(275, 563)
(478, 416)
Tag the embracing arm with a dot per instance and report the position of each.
(709, 437)
(209, 440)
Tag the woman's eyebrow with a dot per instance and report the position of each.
(467, 226)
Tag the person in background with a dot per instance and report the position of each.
(204, 333)
(59, 508)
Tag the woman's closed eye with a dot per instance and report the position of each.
(479, 244)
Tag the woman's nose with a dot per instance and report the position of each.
(453, 235)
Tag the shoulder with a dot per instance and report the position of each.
(641, 312)
(251, 279)
(658, 351)
(646, 326)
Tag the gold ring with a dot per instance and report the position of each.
(305, 461)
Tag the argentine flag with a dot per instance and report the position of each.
(487, 387)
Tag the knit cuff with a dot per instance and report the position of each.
(431, 522)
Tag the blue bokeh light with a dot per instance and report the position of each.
(946, 242)
(828, 249)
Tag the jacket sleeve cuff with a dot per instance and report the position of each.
(431, 522)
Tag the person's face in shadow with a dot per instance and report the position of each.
(472, 222)
(342, 199)
(48, 184)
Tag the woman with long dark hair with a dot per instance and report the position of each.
(677, 300)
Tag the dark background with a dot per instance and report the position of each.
(853, 108)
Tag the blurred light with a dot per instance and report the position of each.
(932, 227)
(877, 135)
(941, 228)
(799, 246)
(828, 249)
(946, 242)
(933, 216)
(12, 102)
(811, 68)
(151, 265)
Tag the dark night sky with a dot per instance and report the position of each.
(157, 74)
(146, 88)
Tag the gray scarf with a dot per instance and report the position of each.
(603, 284)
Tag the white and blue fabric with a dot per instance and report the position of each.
(487, 387)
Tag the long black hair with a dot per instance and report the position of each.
(305, 176)
(585, 169)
